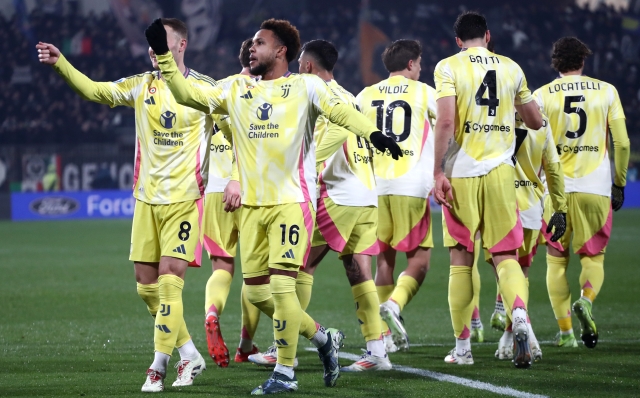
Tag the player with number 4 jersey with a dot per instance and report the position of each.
(582, 111)
(402, 107)
(478, 93)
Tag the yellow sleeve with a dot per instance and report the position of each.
(443, 77)
(109, 93)
(621, 150)
(615, 110)
(553, 172)
(523, 95)
(223, 125)
(205, 99)
(349, 118)
(330, 142)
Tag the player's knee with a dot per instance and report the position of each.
(281, 284)
(257, 293)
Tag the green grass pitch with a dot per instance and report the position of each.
(73, 325)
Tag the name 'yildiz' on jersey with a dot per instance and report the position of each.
(487, 87)
(404, 110)
(533, 147)
(580, 109)
(347, 175)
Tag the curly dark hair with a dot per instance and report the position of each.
(323, 52)
(568, 54)
(287, 35)
(398, 54)
(245, 53)
(470, 25)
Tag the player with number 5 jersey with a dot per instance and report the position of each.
(402, 107)
(478, 93)
(582, 111)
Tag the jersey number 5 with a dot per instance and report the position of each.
(568, 109)
(388, 123)
(488, 84)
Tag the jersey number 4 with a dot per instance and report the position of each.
(488, 85)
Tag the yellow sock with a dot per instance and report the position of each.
(217, 291)
(475, 274)
(406, 288)
(304, 285)
(460, 299)
(558, 289)
(367, 309)
(260, 296)
(592, 275)
(513, 285)
(169, 318)
(250, 315)
(384, 292)
(150, 295)
(286, 318)
(183, 335)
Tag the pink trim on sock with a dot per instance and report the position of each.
(213, 308)
(213, 249)
(499, 297)
(244, 334)
(568, 312)
(600, 240)
(417, 233)
(547, 237)
(318, 326)
(513, 240)
(528, 320)
(518, 303)
(476, 313)
(458, 231)
(466, 333)
(587, 285)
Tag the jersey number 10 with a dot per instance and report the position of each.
(387, 128)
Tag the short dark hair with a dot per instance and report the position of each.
(398, 54)
(177, 25)
(568, 54)
(323, 52)
(245, 53)
(470, 25)
(287, 35)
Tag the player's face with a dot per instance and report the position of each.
(264, 50)
(176, 45)
(304, 63)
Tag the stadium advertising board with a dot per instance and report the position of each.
(41, 206)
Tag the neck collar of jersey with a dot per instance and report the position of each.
(185, 74)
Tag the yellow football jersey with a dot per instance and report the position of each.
(172, 141)
(579, 110)
(402, 108)
(272, 123)
(486, 87)
(533, 149)
(347, 172)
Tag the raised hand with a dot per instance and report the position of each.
(157, 37)
(47, 53)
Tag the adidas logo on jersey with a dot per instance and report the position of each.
(180, 249)
(247, 95)
(150, 101)
(288, 254)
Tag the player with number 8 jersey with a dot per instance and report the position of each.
(478, 93)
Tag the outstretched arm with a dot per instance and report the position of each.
(108, 93)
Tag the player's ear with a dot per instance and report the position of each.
(183, 45)
(459, 42)
(487, 37)
(282, 52)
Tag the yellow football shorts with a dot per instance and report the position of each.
(488, 204)
(589, 218)
(527, 251)
(276, 236)
(220, 229)
(404, 223)
(171, 230)
(346, 229)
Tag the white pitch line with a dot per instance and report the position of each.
(479, 385)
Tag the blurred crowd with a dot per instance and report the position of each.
(37, 107)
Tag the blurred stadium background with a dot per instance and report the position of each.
(51, 140)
